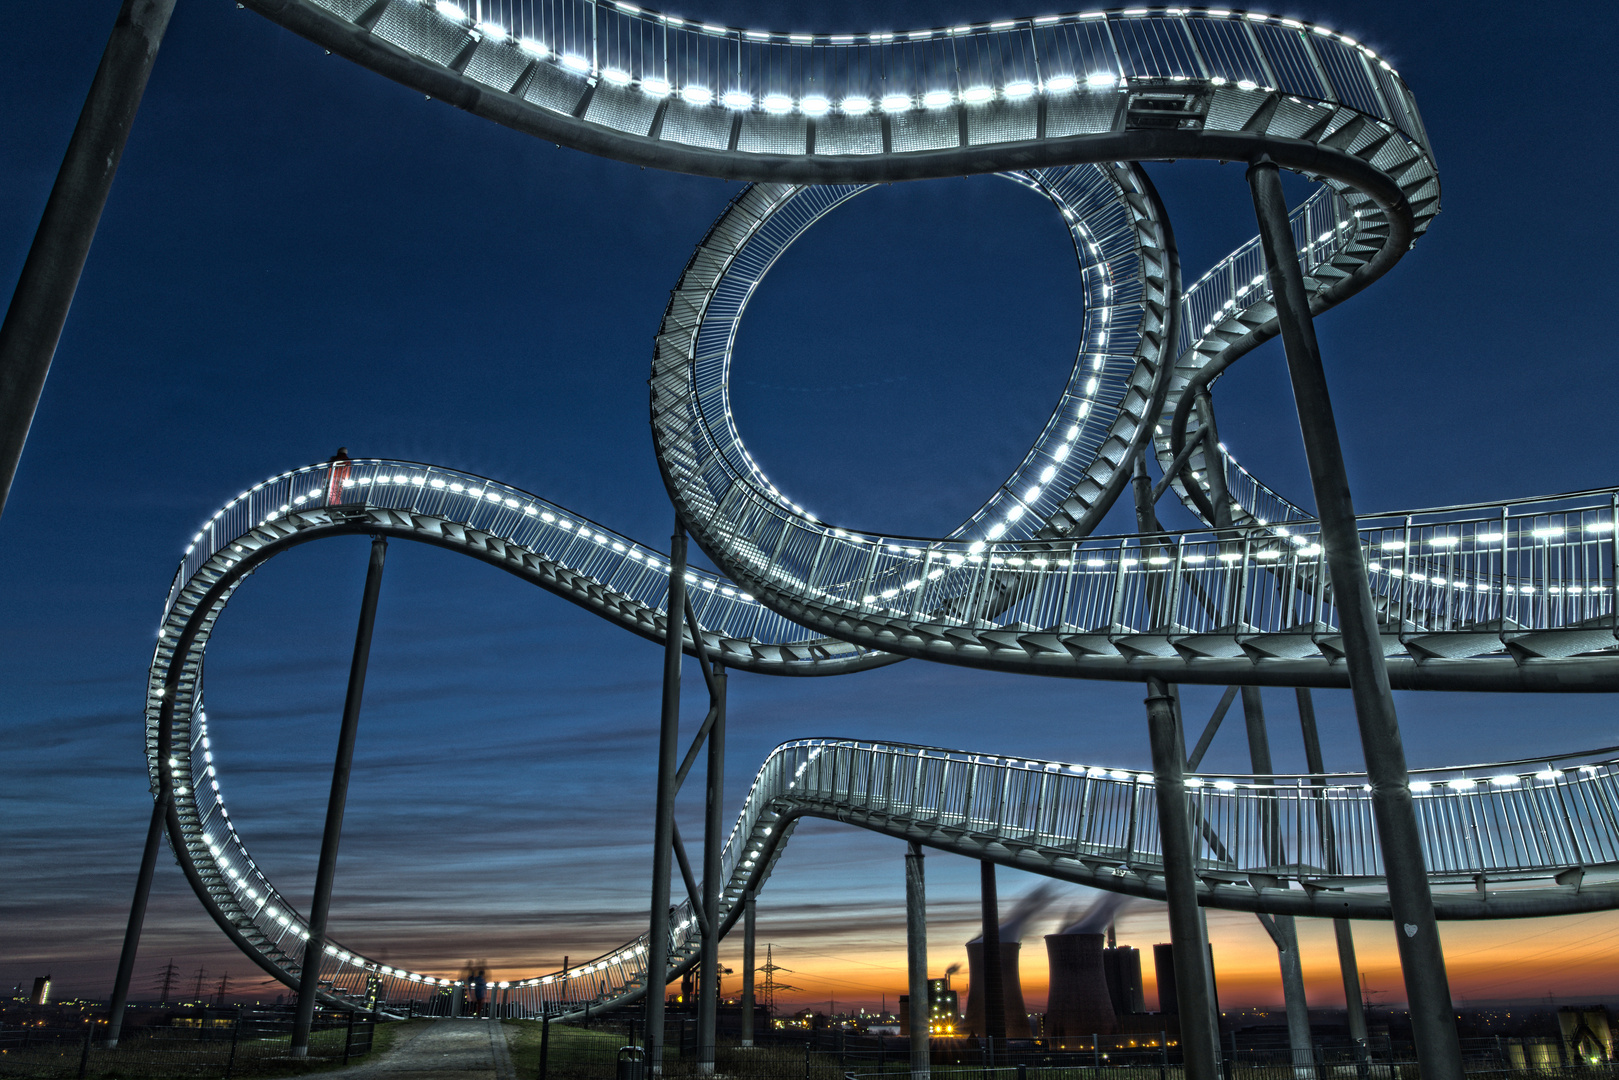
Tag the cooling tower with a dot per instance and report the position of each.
(1017, 1017)
(1163, 958)
(1079, 1004)
(1122, 966)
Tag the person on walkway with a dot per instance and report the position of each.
(339, 466)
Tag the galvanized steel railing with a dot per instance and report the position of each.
(1516, 822)
(1073, 63)
(444, 504)
(1532, 565)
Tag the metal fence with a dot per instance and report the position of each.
(218, 1045)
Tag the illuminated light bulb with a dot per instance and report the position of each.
(655, 87)
(856, 106)
(816, 105)
(450, 11)
(1101, 80)
(735, 99)
(1061, 84)
(1420, 786)
(1017, 91)
(575, 62)
(696, 95)
(616, 76)
(977, 95)
(896, 103)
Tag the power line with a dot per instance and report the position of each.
(771, 986)
(169, 972)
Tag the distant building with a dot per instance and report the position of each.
(943, 1009)
(42, 991)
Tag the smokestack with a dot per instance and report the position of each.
(1017, 1016)
(1080, 1005)
(1122, 965)
(1163, 959)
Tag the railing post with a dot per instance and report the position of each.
(235, 1038)
(326, 872)
(1417, 932)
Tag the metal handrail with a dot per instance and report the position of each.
(1532, 830)
(640, 56)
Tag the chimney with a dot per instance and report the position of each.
(1080, 1005)
(1163, 959)
(1017, 1016)
(1122, 965)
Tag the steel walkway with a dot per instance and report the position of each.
(1511, 596)
(1501, 841)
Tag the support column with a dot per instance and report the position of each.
(747, 966)
(1214, 459)
(1199, 1036)
(663, 832)
(708, 999)
(320, 905)
(50, 274)
(994, 993)
(1422, 959)
(916, 958)
(1282, 928)
(137, 910)
(1316, 764)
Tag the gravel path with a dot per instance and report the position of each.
(442, 1050)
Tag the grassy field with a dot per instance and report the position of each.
(142, 1056)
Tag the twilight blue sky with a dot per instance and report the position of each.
(298, 254)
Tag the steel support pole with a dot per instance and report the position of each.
(137, 911)
(1199, 1037)
(1285, 932)
(1422, 959)
(50, 274)
(916, 958)
(708, 989)
(1214, 460)
(321, 904)
(994, 993)
(748, 947)
(663, 830)
(1316, 764)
